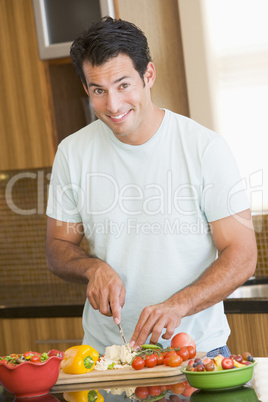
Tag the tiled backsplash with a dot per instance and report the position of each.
(23, 198)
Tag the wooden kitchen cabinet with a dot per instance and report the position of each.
(160, 22)
(27, 134)
(39, 334)
(248, 334)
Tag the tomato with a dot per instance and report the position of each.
(138, 363)
(154, 390)
(35, 359)
(150, 361)
(166, 361)
(178, 388)
(28, 355)
(175, 360)
(142, 392)
(183, 353)
(238, 358)
(160, 359)
(192, 351)
(182, 339)
(210, 366)
(54, 352)
(188, 391)
(170, 353)
(227, 363)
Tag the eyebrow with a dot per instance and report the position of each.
(92, 84)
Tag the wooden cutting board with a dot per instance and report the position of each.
(126, 373)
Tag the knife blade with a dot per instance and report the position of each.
(121, 332)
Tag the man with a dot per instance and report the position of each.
(157, 196)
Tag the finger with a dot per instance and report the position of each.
(157, 330)
(104, 305)
(116, 311)
(143, 327)
(172, 324)
(92, 299)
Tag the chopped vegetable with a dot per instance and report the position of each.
(34, 357)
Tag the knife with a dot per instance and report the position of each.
(121, 332)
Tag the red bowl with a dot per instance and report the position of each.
(30, 379)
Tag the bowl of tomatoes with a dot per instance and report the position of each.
(220, 373)
(30, 374)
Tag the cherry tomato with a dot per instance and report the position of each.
(28, 355)
(182, 339)
(138, 363)
(54, 352)
(175, 360)
(200, 367)
(183, 353)
(227, 363)
(166, 361)
(210, 366)
(192, 351)
(178, 388)
(35, 359)
(160, 359)
(168, 354)
(238, 358)
(154, 390)
(150, 361)
(142, 392)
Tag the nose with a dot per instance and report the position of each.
(113, 102)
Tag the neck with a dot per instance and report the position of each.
(146, 130)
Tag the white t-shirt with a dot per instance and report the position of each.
(145, 211)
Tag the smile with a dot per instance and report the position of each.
(119, 116)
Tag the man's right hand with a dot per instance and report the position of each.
(66, 259)
(105, 290)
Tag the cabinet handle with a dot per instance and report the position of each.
(42, 341)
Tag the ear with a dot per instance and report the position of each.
(85, 88)
(150, 75)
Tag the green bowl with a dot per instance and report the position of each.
(219, 379)
(242, 393)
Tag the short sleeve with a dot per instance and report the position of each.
(63, 199)
(223, 192)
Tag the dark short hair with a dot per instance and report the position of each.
(108, 38)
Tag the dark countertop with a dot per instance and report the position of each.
(67, 300)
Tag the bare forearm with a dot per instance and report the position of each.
(70, 262)
(228, 272)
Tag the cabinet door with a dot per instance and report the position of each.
(26, 127)
(39, 334)
(160, 22)
(248, 334)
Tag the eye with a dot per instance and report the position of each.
(98, 91)
(124, 86)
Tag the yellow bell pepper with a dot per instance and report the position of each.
(79, 359)
(83, 396)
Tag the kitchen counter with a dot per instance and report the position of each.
(67, 300)
(255, 390)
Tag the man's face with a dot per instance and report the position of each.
(120, 98)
